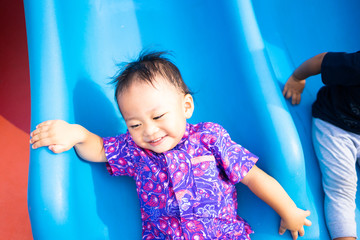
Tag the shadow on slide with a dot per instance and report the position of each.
(235, 55)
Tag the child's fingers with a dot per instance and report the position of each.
(294, 99)
(297, 99)
(282, 229)
(288, 94)
(40, 129)
(39, 135)
(42, 142)
(307, 222)
(294, 234)
(44, 126)
(301, 232)
(285, 90)
(57, 148)
(33, 133)
(45, 123)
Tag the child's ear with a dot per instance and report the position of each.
(188, 105)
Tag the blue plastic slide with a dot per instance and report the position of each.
(235, 56)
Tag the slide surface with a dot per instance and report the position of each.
(235, 56)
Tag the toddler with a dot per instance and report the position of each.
(336, 132)
(184, 173)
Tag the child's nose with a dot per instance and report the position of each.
(150, 130)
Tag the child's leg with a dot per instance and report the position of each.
(337, 151)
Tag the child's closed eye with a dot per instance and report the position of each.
(159, 116)
(135, 126)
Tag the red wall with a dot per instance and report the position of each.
(14, 122)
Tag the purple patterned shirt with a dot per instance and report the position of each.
(187, 192)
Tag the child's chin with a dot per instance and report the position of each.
(162, 147)
(160, 150)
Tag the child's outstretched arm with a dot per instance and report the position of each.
(271, 192)
(295, 84)
(61, 136)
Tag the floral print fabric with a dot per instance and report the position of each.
(187, 192)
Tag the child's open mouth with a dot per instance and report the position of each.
(157, 141)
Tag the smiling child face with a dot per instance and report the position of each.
(156, 113)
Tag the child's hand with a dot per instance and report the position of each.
(295, 223)
(293, 89)
(58, 135)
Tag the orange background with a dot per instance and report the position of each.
(14, 122)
